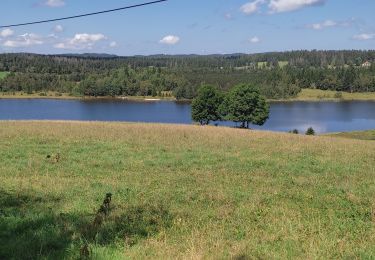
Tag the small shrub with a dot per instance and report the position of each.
(294, 131)
(42, 94)
(338, 95)
(310, 131)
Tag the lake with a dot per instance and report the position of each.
(322, 116)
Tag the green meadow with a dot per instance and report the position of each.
(185, 192)
(360, 135)
(3, 74)
(263, 64)
(329, 95)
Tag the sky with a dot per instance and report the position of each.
(188, 26)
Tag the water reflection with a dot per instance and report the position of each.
(285, 116)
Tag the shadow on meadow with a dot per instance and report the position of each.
(30, 229)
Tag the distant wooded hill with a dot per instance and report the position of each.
(277, 74)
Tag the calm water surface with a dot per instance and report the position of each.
(322, 116)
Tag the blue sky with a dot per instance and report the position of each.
(189, 26)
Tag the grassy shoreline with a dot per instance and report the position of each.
(183, 192)
(55, 95)
(316, 95)
(308, 95)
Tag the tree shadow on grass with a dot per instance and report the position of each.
(134, 223)
(30, 229)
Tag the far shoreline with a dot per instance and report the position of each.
(65, 96)
(306, 95)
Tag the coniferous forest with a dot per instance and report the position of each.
(277, 75)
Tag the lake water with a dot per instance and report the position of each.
(322, 116)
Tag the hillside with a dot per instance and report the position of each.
(278, 75)
(183, 192)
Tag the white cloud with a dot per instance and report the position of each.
(331, 23)
(251, 7)
(113, 44)
(54, 3)
(170, 40)
(87, 38)
(228, 16)
(61, 45)
(322, 25)
(81, 41)
(279, 6)
(364, 36)
(255, 39)
(6, 33)
(25, 40)
(58, 28)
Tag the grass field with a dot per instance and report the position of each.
(3, 74)
(360, 135)
(184, 192)
(262, 64)
(316, 95)
(283, 63)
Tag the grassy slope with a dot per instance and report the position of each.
(361, 135)
(316, 94)
(184, 191)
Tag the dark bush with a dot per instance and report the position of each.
(294, 131)
(310, 131)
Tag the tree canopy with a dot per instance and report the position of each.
(205, 107)
(244, 104)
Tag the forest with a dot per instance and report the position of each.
(278, 75)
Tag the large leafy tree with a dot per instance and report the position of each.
(244, 104)
(205, 107)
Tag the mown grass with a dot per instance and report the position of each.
(317, 94)
(361, 135)
(3, 74)
(183, 192)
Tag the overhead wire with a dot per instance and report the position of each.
(82, 15)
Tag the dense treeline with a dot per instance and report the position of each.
(116, 82)
(278, 75)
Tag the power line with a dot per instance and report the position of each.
(83, 15)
